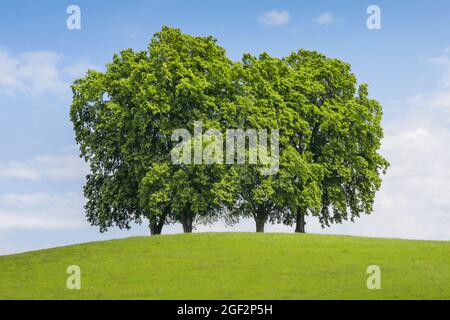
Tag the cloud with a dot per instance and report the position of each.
(59, 167)
(12, 199)
(325, 19)
(79, 70)
(36, 73)
(30, 72)
(275, 18)
(443, 61)
(413, 202)
(41, 211)
(19, 170)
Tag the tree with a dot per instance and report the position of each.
(328, 133)
(329, 139)
(105, 128)
(345, 137)
(124, 118)
(181, 194)
(296, 182)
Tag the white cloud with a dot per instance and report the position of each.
(275, 18)
(12, 199)
(413, 202)
(443, 61)
(79, 70)
(19, 170)
(325, 19)
(41, 211)
(36, 73)
(60, 167)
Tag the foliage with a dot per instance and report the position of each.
(329, 136)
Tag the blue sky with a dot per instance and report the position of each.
(406, 64)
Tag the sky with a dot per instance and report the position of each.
(406, 64)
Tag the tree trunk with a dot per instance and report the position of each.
(156, 227)
(260, 222)
(187, 222)
(300, 227)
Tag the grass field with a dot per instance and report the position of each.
(232, 266)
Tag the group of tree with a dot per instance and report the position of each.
(329, 136)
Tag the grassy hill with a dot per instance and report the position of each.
(232, 266)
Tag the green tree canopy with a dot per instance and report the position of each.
(124, 119)
(345, 135)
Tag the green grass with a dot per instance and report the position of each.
(232, 266)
